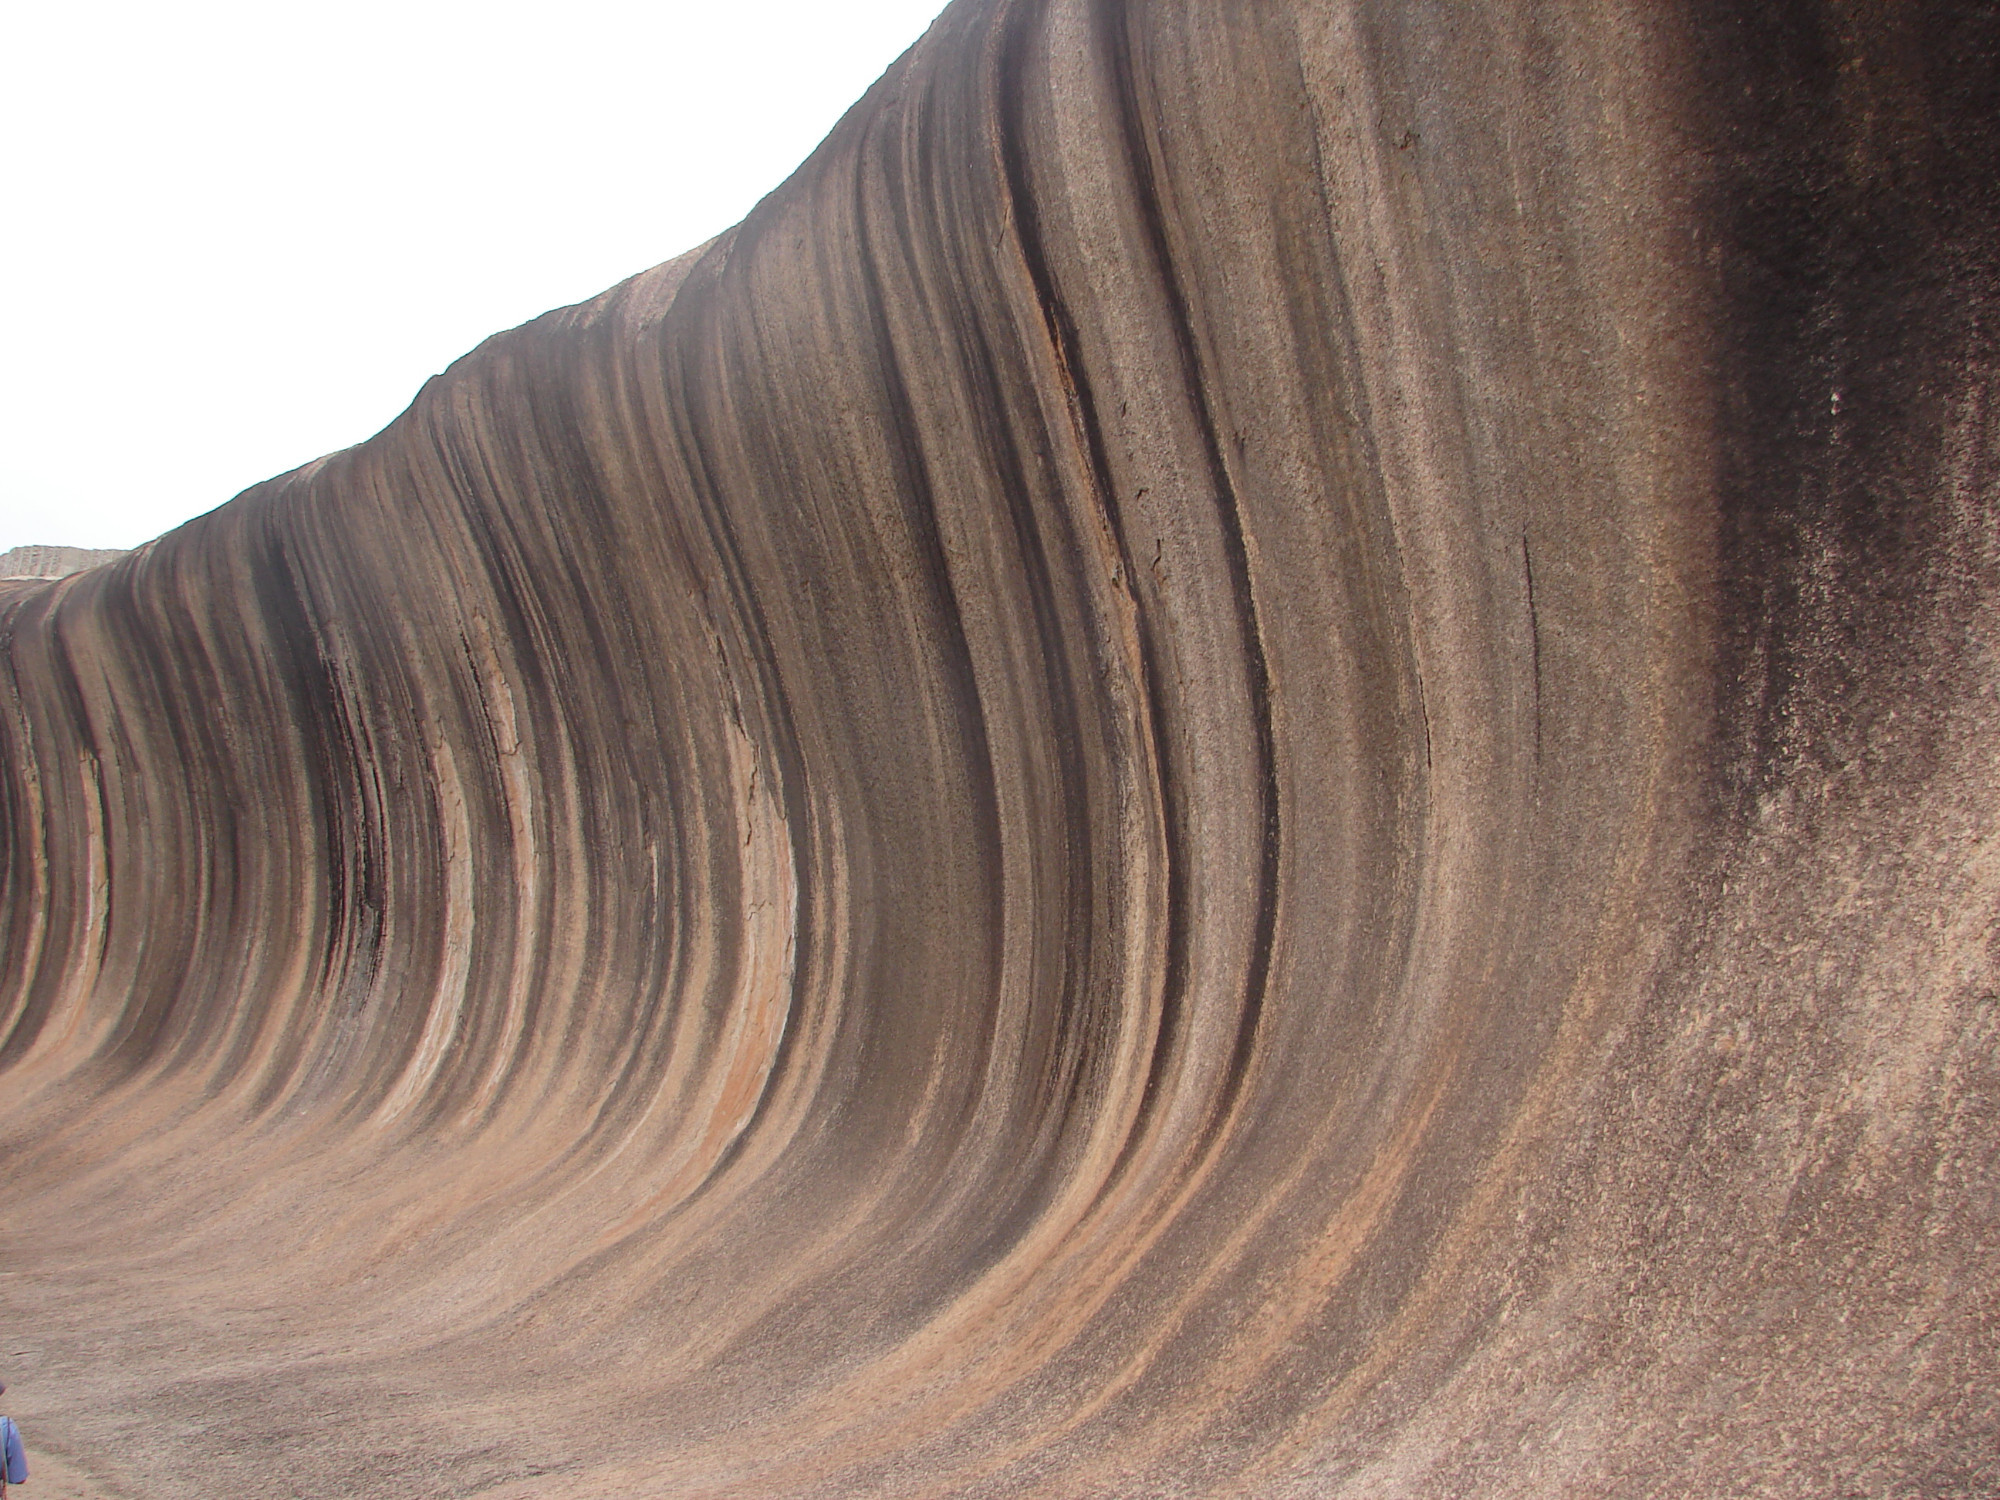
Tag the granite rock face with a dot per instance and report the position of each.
(1255, 756)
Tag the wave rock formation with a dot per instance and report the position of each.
(1255, 756)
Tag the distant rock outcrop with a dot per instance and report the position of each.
(53, 562)
(1258, 755)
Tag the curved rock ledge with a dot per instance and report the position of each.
(1255, 756)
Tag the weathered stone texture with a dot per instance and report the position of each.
(1255, 756)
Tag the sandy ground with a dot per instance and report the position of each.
(53, 1477)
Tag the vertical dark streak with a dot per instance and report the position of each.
(918, 494)
(1534, 639)
(682, 376)
(1011, 122)
(1139, 146)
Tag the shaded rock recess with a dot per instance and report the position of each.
(1255, 756)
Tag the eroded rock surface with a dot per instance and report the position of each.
(1255, 756)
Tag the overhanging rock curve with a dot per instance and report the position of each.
(1255, 756)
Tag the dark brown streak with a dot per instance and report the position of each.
(1141, 144)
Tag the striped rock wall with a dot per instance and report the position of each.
(1255, 756)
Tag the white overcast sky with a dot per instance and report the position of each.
(235, 236)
